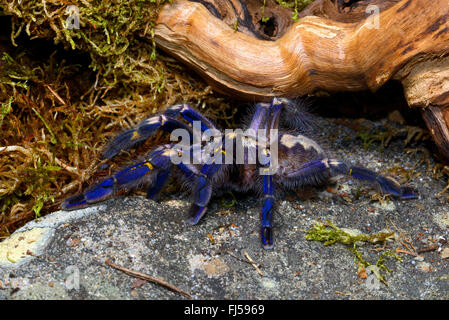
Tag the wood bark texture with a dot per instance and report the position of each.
(336, 45)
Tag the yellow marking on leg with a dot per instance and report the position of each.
(219, 150)
(149, 165)
(135, 135)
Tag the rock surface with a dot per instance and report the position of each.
(62, 256)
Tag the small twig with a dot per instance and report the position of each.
(53, 137)
(249, 261)
(238, 258)
(409, 248)
(411, 245)
(147, 278)
(343, 293)
(432, 247)
(55, 94)
(398, 250)
(25, 151)
(254, 264)
(242, 260)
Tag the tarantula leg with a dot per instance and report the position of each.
(155, 189)
(166, 121)
(189, 114)
(202, 195)
(202, 192)
(108, 187)
(315, 171)
(259, 118)
(276, 108)
(266, 231)
(135, 136)
(387, 184)
(311, 172)
(126, 178)
(266, 215)
(267, 112)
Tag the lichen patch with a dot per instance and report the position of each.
(22, 246)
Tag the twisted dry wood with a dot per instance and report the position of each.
(336, 51)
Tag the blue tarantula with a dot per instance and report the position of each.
(298, 161)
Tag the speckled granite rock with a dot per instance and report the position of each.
(64, 253)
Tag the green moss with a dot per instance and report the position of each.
(330, 234)
(5, 108)
(108, 30)
(60, 104)
(296, 5)
(226, 203)
(387, 133)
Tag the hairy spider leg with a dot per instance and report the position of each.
(266, 230)
(313, 171)
(166, 121)
(155, 188)
(135, 136)
(202, 190)
(189, 114)
(258, 122)
(259, 118)
(266, 216)
(276, 108)
(189, 171)
(387, 184)
(158, 161)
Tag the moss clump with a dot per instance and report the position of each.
(295, 5)
(64, 92)
(389, 132)
(54, 123)
(107, 30)
(330, 234)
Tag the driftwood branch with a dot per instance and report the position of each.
(335, 46)
(315, 54)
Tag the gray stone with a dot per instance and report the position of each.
(208, 260)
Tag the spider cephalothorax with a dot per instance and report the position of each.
(263, 158)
